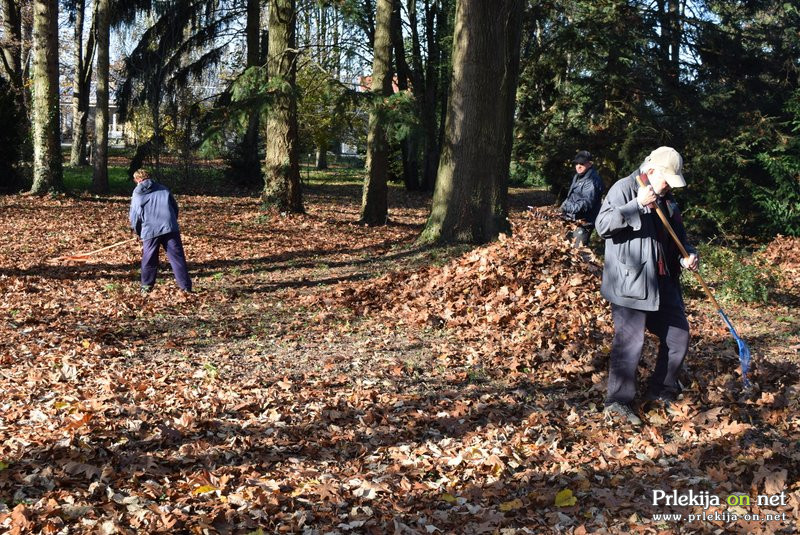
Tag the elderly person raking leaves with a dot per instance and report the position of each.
(641, 279)
(154, 218)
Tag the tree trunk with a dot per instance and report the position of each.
(470, 202)
(100, 157)
(80, 87)
(251, 166)
(322, 157)
(443, 30)
(14, 65)
(426, 92)
(47, 164)
(282, 165)
(408, 145)
(374, 202)
(337, 53)
(675, 36)
(368, 16)
(12, 43)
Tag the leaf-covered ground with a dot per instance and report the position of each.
(333, 378)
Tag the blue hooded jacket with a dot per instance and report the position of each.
(154, 211)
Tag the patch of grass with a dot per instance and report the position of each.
(198, 180)
(211, 371)
(333, 175)
(477, 376)
(80, 179)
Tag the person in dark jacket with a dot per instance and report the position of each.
(583, 199)
(641, 279)
(154, 218)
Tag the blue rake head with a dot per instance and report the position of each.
(744, 351)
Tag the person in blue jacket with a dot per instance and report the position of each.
(583, 199)
(154, 218)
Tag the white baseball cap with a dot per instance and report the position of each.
(671, 162)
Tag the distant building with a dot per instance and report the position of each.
(116, 128)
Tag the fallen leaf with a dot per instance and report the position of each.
(564, 498)
(511, 505)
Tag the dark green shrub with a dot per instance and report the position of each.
(733, 275)
(780, 202)
(11, 139)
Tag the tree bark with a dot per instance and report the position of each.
(80, 87)
(12, 43)
(252, 167)
(470, 201)
(322, 157)
(443, 30)
(427, 91)
(282, 165)
(408, 146)
(47, 163)
(374, 202)
(14, 65)
(100, 157)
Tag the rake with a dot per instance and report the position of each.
(84, 256)
(744, 350)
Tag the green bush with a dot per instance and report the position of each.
(780, 202)
(733, 275)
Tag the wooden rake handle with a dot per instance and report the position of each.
(682, 249)
(90, 253)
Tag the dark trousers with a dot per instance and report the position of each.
(669, 324)
(581, 235)
(172, 244)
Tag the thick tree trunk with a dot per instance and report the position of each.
(47, 163)
(80, 87)
(282, 165)
(374, 202)
(100, 157)
(470, 201)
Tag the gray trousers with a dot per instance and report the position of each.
(669, 324)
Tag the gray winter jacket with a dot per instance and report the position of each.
(154, 211)
(630, 272)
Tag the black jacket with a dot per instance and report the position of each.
(583, 199)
